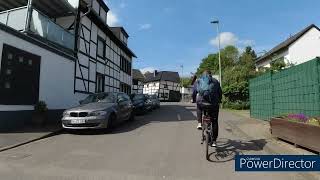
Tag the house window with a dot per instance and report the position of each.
(100, 82)
(20, 59)
(125, 88)
(7, 85)
(135, 82)
(19, 81)
(101, 49)
(125, 65)
(10, 56)
(8, 72)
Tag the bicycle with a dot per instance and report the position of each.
(207, 131)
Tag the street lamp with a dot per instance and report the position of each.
(181, 88)
(219, 46)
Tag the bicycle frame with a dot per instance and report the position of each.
(206, 126)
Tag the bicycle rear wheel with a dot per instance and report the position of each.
(207, 145)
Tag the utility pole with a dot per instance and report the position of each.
(181, 88)
(219, 47)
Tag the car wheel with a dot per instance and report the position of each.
(131, 118)
(111, 121)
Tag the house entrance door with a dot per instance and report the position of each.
(19, 77)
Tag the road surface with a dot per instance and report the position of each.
(161, 145)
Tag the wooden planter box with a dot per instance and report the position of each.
(300, 134)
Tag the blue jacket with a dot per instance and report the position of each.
(217, 92)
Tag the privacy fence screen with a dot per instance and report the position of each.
(293, 90)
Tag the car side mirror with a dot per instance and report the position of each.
(120, 100)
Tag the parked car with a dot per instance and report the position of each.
(148, 102)
(155, 101)
(99, 111)
(140, 103)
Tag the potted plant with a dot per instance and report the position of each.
(39, 115)
(298, 129)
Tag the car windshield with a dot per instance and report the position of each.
(102, 97)
(138, 97)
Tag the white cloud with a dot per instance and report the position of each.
(145, 26)
(228, 38)
(147, 69)
(113, 19)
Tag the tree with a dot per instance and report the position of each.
(236, 72)
(186, 82)
(229, 55)
(278, 64)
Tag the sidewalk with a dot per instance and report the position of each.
(12, 139)
(259, 129)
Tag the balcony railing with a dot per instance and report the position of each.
(15, 18)
(40, 25)
(46, 28)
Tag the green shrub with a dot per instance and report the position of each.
(238, 105)
(40, 107)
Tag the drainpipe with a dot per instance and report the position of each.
(29, 15)
(77, 34)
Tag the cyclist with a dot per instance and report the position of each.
(209, 92)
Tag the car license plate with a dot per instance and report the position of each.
(78, 121)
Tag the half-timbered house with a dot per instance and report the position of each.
(58, 51)
(138, 80)
(164, 84)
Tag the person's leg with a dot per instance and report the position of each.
(199, 113)
(215, 124)
(199, 117)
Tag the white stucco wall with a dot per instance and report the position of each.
(187, 91)
(306, 48)
(56, 76)
(266, 63)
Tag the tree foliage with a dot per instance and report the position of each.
(237, 69)
(229, 55)
(186, 81)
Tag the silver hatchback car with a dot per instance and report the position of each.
(99, 111)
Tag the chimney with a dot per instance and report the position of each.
(155, 73)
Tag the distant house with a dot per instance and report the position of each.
(137, 81)
(297, 49)
(186, 93)
(164, 84)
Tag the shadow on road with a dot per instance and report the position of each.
(167, 113)
(227, 149)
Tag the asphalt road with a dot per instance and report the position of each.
(161, 145)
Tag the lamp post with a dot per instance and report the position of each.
(181, 88)
(219, 46)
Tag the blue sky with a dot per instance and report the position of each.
(166, 34)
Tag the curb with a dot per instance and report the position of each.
(56, 132)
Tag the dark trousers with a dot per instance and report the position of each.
(213, 113)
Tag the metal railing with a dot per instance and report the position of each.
(40, 25)
(43, 26)
(14, 18)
